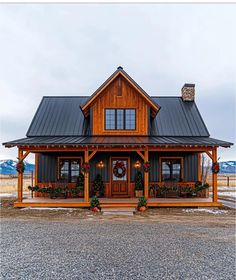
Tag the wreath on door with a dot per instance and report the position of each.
(119, 170)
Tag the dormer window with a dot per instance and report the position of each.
(120, 119)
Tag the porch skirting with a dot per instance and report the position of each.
(115, 202)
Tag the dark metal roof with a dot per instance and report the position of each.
(178, 118)
(62, 116)
(119, 140)
(59, 116)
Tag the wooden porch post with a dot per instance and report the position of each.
(20, 178)
(146, 176)
(36, 156)
(86, 178)
(199, 173)
(214, 176)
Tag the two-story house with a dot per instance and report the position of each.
(118, 130)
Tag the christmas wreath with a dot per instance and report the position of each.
(20, 166)
(119, 170)
(215, 167)
(146, 166)
(85, 167)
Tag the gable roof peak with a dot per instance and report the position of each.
(120, 71)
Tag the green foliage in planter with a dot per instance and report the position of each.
(139, 181)
(199, 186)
(94, 202)
(33, 189)
(98, 185)
(142, 201)
(80, 182)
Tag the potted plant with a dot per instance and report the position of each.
(142, 204)
(95, 204)
(80, 185)
(98, 186)
(139, 184)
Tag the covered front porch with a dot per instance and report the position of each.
(93, 154)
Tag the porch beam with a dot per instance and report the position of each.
(25, 155)
(20, 178)
(86, 178)
(214, 176)
(116, 149)
(146, 176)
(141, 155)
(92, 154)
(209, 154)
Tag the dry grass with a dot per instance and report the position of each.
(9, 185)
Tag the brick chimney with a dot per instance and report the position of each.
(188, 92)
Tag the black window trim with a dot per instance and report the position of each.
(69, 166)
(124, 118)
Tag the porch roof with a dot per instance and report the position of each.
(117, 141)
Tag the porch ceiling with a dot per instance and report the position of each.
(118, 141)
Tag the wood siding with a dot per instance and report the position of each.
(129, 98)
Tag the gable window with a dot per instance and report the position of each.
(69, 169)
(171, 169)
(120, 119)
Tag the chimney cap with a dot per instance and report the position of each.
(188, 85)
(119, 68)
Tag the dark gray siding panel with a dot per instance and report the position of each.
(191, 167)
(47, 168)
(48, 165)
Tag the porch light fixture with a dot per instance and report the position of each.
(137, 164)
(100, 164)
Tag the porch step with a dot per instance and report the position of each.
(118, 211)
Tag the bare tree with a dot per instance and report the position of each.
(205, 166)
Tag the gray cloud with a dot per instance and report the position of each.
(72, 49)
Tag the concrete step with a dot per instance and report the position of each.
(118, 211)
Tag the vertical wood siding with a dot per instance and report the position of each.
(129, 99)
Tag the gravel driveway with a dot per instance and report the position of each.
(116, 249)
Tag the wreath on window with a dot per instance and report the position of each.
(215, 167)
(119, 170)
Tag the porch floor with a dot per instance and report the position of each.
(117, 202)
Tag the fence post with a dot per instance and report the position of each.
(227, 181)
(32, 178)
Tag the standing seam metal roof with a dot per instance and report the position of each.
(62, 116)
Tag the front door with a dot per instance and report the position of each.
(119, 177)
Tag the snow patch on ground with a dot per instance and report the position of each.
(211, 211)
(230, 194)
(49, 209)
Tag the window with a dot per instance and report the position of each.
(69, 169)
(120, 119)
(171, 169)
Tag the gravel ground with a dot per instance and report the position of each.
(125, 248)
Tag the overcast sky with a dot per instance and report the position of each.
(71, 49)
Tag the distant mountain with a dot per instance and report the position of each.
(8, 167)
(228, 166)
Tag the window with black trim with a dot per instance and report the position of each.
(120, 119)
(171, 169)
(69, 169)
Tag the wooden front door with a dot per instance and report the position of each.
(119, 177)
